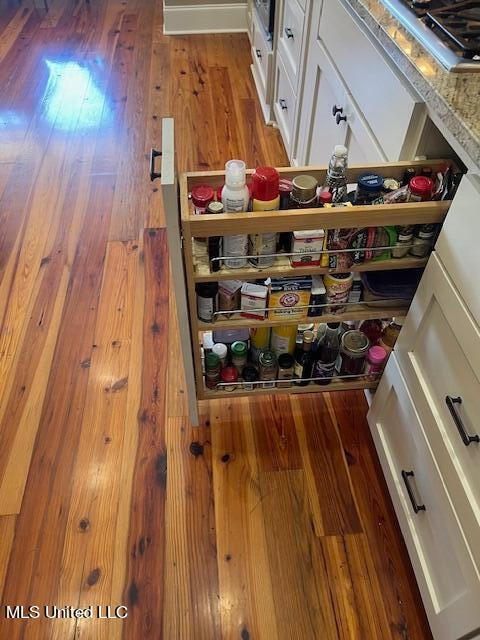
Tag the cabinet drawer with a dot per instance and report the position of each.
(458, 242)
(284, 104)
(439, 353)
(388, 105)
(291, 38)
(446, 571)
(262, 56)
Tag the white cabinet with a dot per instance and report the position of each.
(262, 64)
(443, 555)
(329, 116)
(458, 245)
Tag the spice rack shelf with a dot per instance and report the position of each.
(283, 268)
(365, 313)
(340, 385)
(190, 267)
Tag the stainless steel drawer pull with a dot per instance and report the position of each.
(465, 436)
(416, 507)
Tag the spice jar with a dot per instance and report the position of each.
(404, 241)
(286, 363)
(220, 350)
(304, 192)
(390, 334)
(423, 240)
(376, 358)
(206, 300)
(337, 287)
(212, 370)
(353, 349)
(249, 376)
(202, 195)
(229, 375)
(268, 369)
(420, 189)
(369, 188)
(239, 352)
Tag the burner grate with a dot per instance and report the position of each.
(460, 22)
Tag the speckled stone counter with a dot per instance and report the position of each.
(454, 97)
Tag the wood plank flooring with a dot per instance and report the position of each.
(269, 521)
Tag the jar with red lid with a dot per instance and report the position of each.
(228, 375)
(420, 189)
(202, 195)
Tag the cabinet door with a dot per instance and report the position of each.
(441, 555)
(318, 129)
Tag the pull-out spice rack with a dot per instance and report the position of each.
(190, 265)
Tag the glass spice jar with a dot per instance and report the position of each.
(212, 370)
(268, 369)
(249, 376)
(353, 349)
(286, 363)
(239, 351)
(202, 195)
(229, 375)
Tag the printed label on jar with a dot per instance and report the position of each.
(298, 370)
(280, 344)
(323, 369)
(205, 308)
(235, 246)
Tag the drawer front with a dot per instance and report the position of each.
(291, 38)
(441, 556)
(458, 242)
(387, 104)
(284, 104)
(439, 353)
(261, 54)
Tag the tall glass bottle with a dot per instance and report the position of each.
(323, 366)
(303, 360)
(336, 180)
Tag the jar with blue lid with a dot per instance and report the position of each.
(369, 188)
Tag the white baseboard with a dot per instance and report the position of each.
(206, 18)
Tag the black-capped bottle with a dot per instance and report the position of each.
(303, 360)
(326, 355)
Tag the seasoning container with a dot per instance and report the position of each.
(337, 287)
(324, 197)
(404, 241)
(214, 242)
(423, 240)
(208, 342)
(202, 195)
(304, 192)
(239, 351)
(265, 197)
(376, 359)
(286, 364)
(229, 297)
(303, 360)
(230, 376)
(354, 347)
(309, 243)
(301, 328)
(253, 301)
(355, 293)
(372, 329)
(207, 294)
(420, 189)
(249, 376)
(390, 334)
(283, 339)
(259, 341)
(408, 174)
(369, 188)
(212, 370)
(268, 369)
(221, 350)
(390, 184)
(284, 237)
(317, 296)
(235, 199)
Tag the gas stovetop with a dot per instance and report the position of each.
(447, 29)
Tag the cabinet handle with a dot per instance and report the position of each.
(283, 104)
(465, 436)
(154, 154)
(339, 118)
(416, 507)
(258, 52)
(289, 32)
(336, 110)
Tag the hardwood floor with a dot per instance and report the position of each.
(269, 521)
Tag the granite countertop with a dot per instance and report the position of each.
(454, 97)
